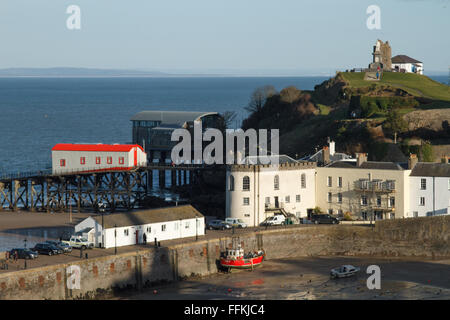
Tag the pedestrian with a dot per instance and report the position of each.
(16, 255)
(144, 237)
(7, 255)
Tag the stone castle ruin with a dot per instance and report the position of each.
(381, 56)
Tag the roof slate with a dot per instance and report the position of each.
(170, 117)
(142, 217)
(423, 169)
(404, 59)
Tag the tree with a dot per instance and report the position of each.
(259, 98)
(228, 118)
(395, 123)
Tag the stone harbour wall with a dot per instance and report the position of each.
(86, 279)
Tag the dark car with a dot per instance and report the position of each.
(23, 253)
(324, 218)
(218, 225)
(60, 245)
(46, 248)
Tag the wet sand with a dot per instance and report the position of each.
(308, 279)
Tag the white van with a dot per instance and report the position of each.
(274, 220)
(236, 222)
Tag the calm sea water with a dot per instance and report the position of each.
(37, 113)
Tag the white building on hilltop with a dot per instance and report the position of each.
(256, 191)
(430, 189)
(403, 63)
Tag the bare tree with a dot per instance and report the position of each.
(259, 97)
(228, 118)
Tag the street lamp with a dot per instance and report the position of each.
(115, 239)
(101, 207)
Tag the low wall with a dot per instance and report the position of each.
(424, 237)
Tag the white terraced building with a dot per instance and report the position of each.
(367, 190)
(430, 189)
(257, 191)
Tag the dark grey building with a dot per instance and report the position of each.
(153, 129)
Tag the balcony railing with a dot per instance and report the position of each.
(375, 185)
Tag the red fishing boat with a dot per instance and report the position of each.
(236, 258)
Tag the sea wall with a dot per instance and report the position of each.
(423, 237)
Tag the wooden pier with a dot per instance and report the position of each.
(90, 191)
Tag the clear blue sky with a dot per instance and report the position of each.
(280, 36)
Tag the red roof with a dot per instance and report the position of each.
(95, 147)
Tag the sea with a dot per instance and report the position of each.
(37, 113)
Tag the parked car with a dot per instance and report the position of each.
(46, 248)
(23, 253)
(235, 222)
(61, 245)
(344, 271)
(324, 218)
(79, 243)
(278, 219)
(218, 225)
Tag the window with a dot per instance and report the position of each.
(297, 198)
(97, 160)
(330, 197)
(340, 182)
(415, 214)
(392, 202)
(246, 183)
(186, 225)
(422, 201)
(62, 162)
(149, 229)
(330, 182)
(163, 227)
(267, 200)
(247, 215)
(83, 160)
(423, 184)
(109, 160)
(364, 200)
(276, 182)
(340, 212)
(364, 215)
(246, 201)
(303, 180)
(231, 183)
(378, 201)
(330, 211)
(121, 160)
(340, 197)
(176, 225)
(287, 199)
(125, 232)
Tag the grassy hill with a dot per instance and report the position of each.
(417, 85)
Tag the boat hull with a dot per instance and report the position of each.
(241, 263)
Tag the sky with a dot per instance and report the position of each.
(291, 37)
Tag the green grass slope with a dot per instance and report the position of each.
(417, 85)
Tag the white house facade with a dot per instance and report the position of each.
(430, 189)
(123, 229)
(255, 191)
(403, 63)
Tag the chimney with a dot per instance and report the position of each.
(412, 161)
(361, 158)
(326, 155)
